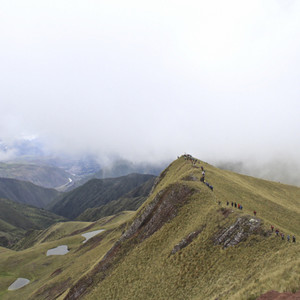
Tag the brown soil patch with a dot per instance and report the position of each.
(53, 291)
(56, 272)
(273, 295)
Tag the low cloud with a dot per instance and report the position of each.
(150, 81)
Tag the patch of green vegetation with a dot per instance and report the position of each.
(51, 275)
(16, 219)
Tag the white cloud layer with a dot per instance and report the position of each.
(149, 80)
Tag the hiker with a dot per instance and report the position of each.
(254, 213)
(202, 179)
(272, 228)
(241, 207)
(288, 238)
(227, 203)
(211, 187)
(277, 232)
(231, 203)
(294, 239)
(235, 204)
(282, 236)
(219, 202)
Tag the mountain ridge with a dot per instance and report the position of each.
(185, 242)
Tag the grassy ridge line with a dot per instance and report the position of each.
(203, 270)
(275, 203)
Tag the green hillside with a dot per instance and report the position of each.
(51, 276)
(130, 201)
(39, 174)
(16, 219)
(185, 242)
(26, 192)
(94, 193)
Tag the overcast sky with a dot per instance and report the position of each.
(150, 80)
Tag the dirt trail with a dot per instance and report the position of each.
(273, 295)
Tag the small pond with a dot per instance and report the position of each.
(60, 250)
(91, 234)
(20, 282)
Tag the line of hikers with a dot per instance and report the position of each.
(281, 234)
(202, 179)
(233, 204)
(236, 205)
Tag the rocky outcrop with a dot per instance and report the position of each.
(187, 240)
(239, 231)
(163, 208)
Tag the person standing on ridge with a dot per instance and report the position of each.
(254, 213)
(272, 228)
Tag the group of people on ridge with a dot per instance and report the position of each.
(236, 205)
(281, 234)
(202, 179)
(233, 204)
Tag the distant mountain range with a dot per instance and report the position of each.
(95, 193)
(42, 175)
(26, 192)
(130, 201)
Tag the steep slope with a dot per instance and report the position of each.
(94, 193)
(131, 201)
(16, 219)
(26, 192)
(187, 243)
(41, 175)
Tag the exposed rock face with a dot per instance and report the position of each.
(238, 232)
(187, 240)
(162, 209)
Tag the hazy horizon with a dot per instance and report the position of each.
(148, 81)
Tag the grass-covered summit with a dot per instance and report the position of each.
(181, 244)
